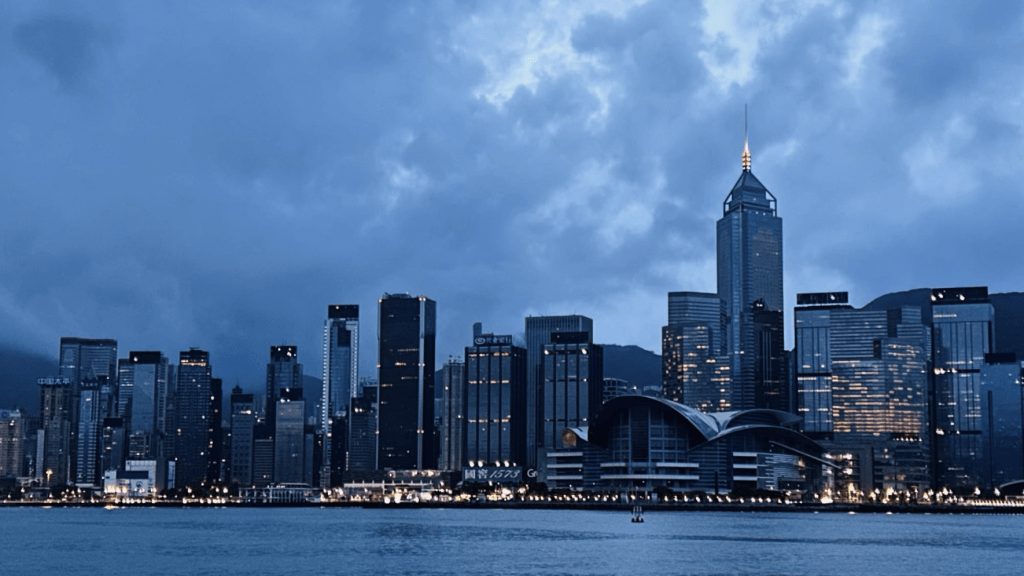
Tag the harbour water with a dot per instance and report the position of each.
(256, 541)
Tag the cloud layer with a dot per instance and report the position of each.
(215, 175)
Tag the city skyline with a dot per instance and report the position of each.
(172, 191)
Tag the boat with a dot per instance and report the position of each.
(638, 514)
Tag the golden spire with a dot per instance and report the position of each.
(746, 148)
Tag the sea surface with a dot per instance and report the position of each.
(256, 541)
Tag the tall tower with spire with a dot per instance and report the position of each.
(749, 246)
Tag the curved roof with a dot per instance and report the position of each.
(774, 417)
(710, 426)
(703, 423)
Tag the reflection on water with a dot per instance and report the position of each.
(398, 541)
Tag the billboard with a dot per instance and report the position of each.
(502, 474)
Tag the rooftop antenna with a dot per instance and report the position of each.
(746, 148)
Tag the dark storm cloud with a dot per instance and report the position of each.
(65, 45)
(233, 168)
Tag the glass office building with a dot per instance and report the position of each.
(862, 387)
(495, 384)
(963, 333)
(407, 338)
(749, 247)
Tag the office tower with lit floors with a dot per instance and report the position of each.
(572, 382)
(495, 401)
(84, 359)
(539, 331)
(192, 403)
(453, 414)
(963, 332)
(862, 389)
(695, 369)
(243, 425)
(407, 339)
(340, 380)
(749, 246)
(12, 438)
(283, 373)
(55, 400)
(143, 387)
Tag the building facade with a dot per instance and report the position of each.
(453, 414)
(749, 248)
(243, 424)
(144, 384)
(862, 389)
(538, 333)
(572, 376)
(695, 368)
(284, 373)
(340, 377)
(55, 407)
(407, 340)
(12, 437)
(495, 384)
(193, 411)
(963, 332)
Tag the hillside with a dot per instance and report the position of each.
(19, 371)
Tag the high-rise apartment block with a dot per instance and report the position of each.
(407, 336)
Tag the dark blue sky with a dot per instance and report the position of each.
(181, 174)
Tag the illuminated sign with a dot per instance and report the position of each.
(45, 381)
(509, 474)
(486, 339)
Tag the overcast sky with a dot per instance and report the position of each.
(214, 174)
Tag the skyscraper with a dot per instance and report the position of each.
(12, 436)
(495, 401)
(144, 382)
(749, 245)
(963, 332)
(407, 337)
(84, 359)
(96, 402)
(87, 358)
(192, 433)
(695, 369)
(862, 388)
(243, 423)
(340, 375)
(362, 442)
(572, 375)
(538, 333)
(55, 403)
(289, 438)
(453, 414)
(283, 373)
